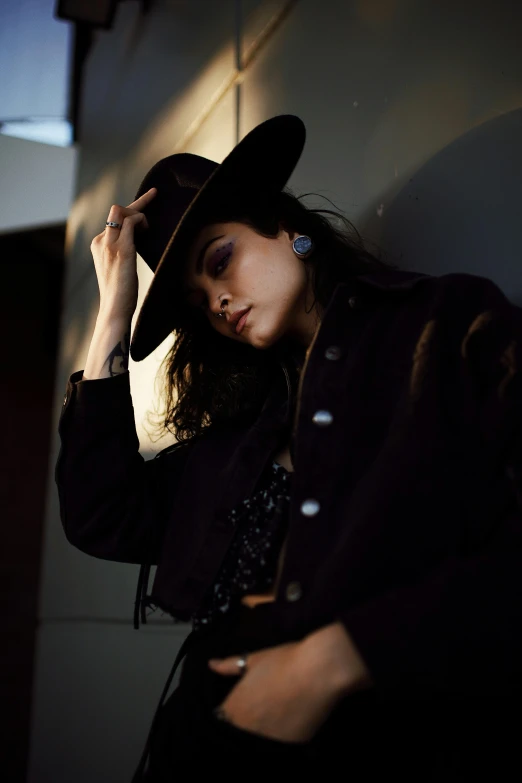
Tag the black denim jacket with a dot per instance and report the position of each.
(405, 517)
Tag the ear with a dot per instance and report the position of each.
(291, 234)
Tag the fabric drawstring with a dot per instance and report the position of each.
(140, 603)
(137, 601)
(179, 657)
(144, 591)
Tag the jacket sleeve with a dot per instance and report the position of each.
(113, 502)
(459, 630)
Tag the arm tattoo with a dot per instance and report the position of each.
(118, 359)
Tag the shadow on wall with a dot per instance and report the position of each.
(460, 212)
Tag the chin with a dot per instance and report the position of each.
(263, 341)
(256, 342)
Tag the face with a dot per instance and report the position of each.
(231, 263)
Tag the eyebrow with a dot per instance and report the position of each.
(201, 255)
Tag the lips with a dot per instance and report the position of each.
(240, 322)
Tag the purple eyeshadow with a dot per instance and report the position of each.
(219, 254)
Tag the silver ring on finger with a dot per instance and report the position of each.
(220, 714)
(112, 224)
(241, 664)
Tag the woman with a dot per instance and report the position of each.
(339, 517)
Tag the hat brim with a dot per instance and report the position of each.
(263, 160)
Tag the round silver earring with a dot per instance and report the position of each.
(302, 245)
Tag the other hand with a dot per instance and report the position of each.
(288, 691)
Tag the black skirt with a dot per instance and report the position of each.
(366, 737)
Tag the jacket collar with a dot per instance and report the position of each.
(391, 280)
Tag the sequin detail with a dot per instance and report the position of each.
(250, 564)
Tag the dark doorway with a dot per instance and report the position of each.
(32, 271)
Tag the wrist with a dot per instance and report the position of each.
(335, 661)
(114, 318)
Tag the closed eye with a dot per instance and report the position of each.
(218, 268)
(220, 259)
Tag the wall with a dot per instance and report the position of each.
(413, 113)
(37, 183)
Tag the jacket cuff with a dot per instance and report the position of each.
(100, 398)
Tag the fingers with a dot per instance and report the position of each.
(126, 233)
(144, 199)
(119, 214)
(116, 215)
(227, 666)
(128, 220)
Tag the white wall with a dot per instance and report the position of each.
(413, 113)
(38, 182)
(37, 178)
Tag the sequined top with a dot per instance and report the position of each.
(250, 565)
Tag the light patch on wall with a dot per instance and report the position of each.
(377, 12)
(505, 102)
(180, 119)
(90, 209)
(70, 339)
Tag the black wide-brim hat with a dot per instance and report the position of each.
(188, 187)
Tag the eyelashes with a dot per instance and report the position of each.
(221, 256)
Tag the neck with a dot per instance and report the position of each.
(304, 333)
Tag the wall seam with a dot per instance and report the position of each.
(237, 75)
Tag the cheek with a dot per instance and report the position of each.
(265, 287)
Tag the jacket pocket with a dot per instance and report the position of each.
(237, 737)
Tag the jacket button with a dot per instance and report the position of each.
(293, 591)
(310, 508)
(353, 301)
(333, 352)
(322, 418)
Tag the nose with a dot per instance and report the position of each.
(217, 308)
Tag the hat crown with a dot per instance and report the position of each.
(187, 186)
(178, 179)
(190, 171)
(182, 169)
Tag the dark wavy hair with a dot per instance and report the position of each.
(212, 380)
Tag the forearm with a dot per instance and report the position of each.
(331, 654)
(109, 349)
